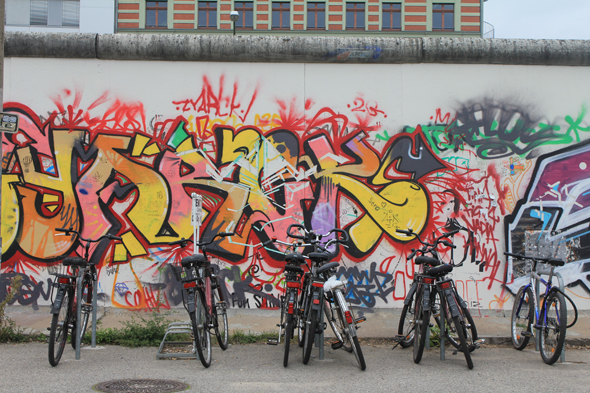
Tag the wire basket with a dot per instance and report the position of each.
(57, 268)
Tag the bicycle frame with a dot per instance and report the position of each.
(534, 277)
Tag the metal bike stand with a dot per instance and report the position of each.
(79, 284)
(177, 328)
(94, 305)
(319, 337)
(442, 334)
(561, 287)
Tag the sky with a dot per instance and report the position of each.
(538, 19)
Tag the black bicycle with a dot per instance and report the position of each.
(72, 275)
(203, 299)
(432, 294)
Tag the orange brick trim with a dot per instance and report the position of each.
(335, 8)
(225, 26)
(410, 8)
(128, 6)
(334, 27)
(128, 25)
(262, 17)
(415, 18)
(298, 27)
(184, 7)
(297, 7)
(373, 18)
(298, 17)
(373, 27)
(262, 27)
(335, 18)
(415, 28)
(262, 7)
(184, 16)
(184, 26)
(469, 1)
(470, 28)
(470, 10)
(225, 7)
(134, 15)
(470, 19)
(373, 8)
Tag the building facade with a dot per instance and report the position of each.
(324, 17)
(61, 16)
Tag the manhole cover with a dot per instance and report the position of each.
(141, 386)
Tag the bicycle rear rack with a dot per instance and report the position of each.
(177, 328)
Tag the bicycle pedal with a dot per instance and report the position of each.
(337, 344)
(526, 333)
(325, 325)
(272, 341)
(480, 341)
(399, 338)
(360, 320)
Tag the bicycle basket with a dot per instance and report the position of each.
(57, 268)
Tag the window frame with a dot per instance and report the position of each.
(315, 11)
(355, 12)
(156, 8)
(391, 11)
(243, 8)
(210, 12)
(443, 11)
(281, 13)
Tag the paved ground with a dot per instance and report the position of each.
(258, 368)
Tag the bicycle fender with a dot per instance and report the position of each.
(58, 300)
(191, 301)
(451, 301)
(426, 298)
(411, 293)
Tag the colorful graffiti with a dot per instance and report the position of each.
(110, 168)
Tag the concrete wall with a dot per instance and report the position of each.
(366, 135)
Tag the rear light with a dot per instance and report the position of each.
(445, 285)
(348, 317)
(318, 284)
(290, 308)
(428, 280)
(63, 280)
(293, 284)
(190, 284)
(316, 301)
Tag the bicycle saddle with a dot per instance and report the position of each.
(75, 261)
(440, 271)
(198, 260)
(295, 257)
(555, 262)
(320, 256)
(294, 269)
(327, 266)
(422, 260)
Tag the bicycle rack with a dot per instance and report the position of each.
(176, 328)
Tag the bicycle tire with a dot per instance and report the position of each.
(464, 347)
(288, 335)
(349, 330)
(58, 332)
(552, 334)
(334, 319)
(470, 333)
(342, 324)
(422, 320)
(303, 310)
(406, 324)
(358, 353)
(310, 334)
(220, 316)
(201, 336)
(522, 318)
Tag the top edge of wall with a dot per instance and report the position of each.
(276, 49)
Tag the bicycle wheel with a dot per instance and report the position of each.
(288, 335)
(464, 347)
(467, 325)
(406, 324)
(303, 309)
(201, 336)
(422, 320)
(310, 330)
(554, 327)
(358, 353)
(348, 330)
(336, 322)
(521, 321)
(220, 315)
(58, 332)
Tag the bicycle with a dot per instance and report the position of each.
(203, 299)
(550, 320)
(82, 277)
(322, 293)
(405, 337)
(433, 284)
(292, 286)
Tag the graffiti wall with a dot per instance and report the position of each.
(119, 147)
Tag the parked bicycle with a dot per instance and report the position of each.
(550, 320)
(323, 294)
(74, 275)
(290, 299)
(434, 294)
(203, 299)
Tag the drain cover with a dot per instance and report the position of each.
(141, 386)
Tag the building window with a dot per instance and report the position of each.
(443, 17)
(246, 11)
(156, 15)
(55, 13)
(281, 19)
(316, 16)
(392, 16)
(207, 14)
(71, 13)
(355, 16)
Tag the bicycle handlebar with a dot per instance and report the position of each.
(107, 236)
(182, 242)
